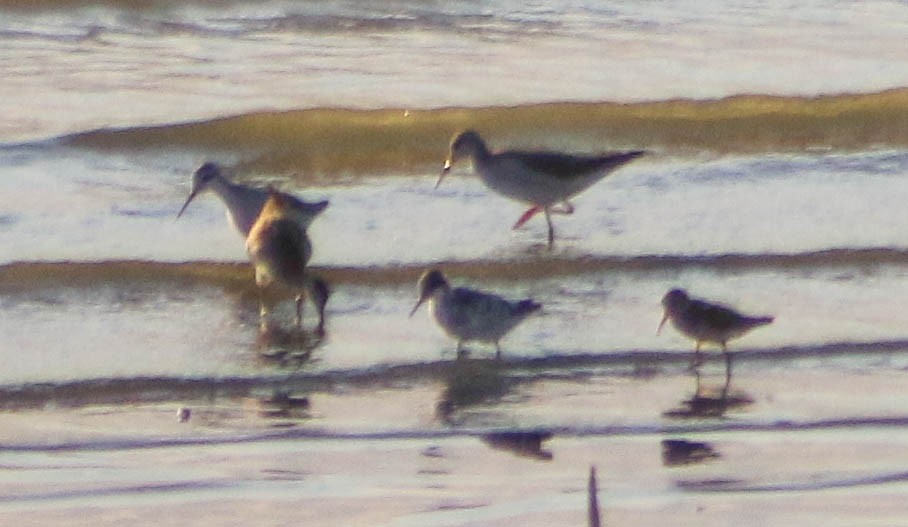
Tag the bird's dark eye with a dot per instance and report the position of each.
(207, 171)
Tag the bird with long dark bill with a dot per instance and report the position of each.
(244, 202)
(545, 180)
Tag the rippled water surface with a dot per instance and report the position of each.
(773, 182)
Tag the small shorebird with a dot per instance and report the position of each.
(244, 203)
(707, 322)
(280, 249)
(467, 314)
(542, 179)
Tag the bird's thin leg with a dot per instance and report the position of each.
(497, 351)
(300, 298)
(460, 349)
(695, 363)
(727, 371)
(263, 312)
(548, 220)
(697, 376)
(263, 307)
(526, 216)
(320, 328)
(317, 292)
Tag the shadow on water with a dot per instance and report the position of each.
(709, 401)
(286, 347)
(474, 382)
(470, 382)
(814, 483)
(524, 444)
(278, 332)
(680, 452)
(283, 404)
(280, 409)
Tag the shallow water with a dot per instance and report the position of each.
(773, 182)
(118, 63)
(381, 454)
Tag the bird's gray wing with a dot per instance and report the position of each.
(570, 166)
(718, 316)
(475, 307)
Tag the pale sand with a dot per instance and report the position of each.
(391, 462)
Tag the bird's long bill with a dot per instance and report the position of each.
(418, 303)
(664, 320)
(444, 172)
(188, 200)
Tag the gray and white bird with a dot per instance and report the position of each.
(467, 314)
(280, 251)
(244, 203)
(542, 179)
(705, 321)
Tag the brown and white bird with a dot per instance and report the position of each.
(542, 179)
(279, 249)
(705, 321)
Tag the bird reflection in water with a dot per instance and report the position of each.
(524, 444)
(678, 452)
(287, 347)
(470, 382)
(709, 401)
(284, 405)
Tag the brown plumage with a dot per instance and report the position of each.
(280, 251)
(705, 321)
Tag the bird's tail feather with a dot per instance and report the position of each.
(760, 321)
(527, 306)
